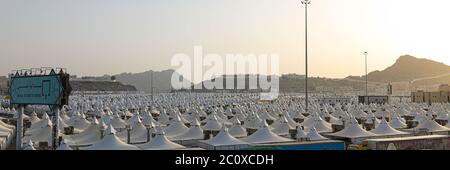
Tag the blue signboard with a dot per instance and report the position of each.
(36, 90)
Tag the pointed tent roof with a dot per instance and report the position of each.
(282, 128)
(34, 118)
(44, 133)
(118, 122)
(313, 135)
(194, 132)
(265, 135)
(3, 124)
(78, 121)
(111, 142)
(88, 136)
(160, 142)
(322, 126)
(212, 124)
(431, 126)
(237, 131)
(385, 129)
(148, 119)
(352, 130)
(138, 133)
(224, 139)
(5, 129)
(397, 123)
(266, 116)
(175, 128)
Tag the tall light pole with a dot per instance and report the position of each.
(367, 92)
(306, 3)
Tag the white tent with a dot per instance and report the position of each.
(431, 126)
(6, 125)
(385, 129)
(5, 129)
(223, 141)
(175, 128)
(89, 136)
(265, 135)
(34, 118)
(237, 130)
(397, 123)
(195, 132)
(212, 124)
(321, 126)
(78, 121)
(147, 119)
(117, 122)
(252, 121)
(352, 130)
(316, 121)
(266, 116)
(163, 118)
(138, 133)
(111, 142)
(313, 135)
(42, 134)
(282, 128)
(38, 125)
(160, 142)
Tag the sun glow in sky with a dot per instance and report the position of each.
(95, 37)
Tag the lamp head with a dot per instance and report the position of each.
(306, 2)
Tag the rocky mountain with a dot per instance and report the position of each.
(409, 68)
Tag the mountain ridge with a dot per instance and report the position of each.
(407, 68)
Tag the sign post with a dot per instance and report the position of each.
(19, 131)
(28, 88)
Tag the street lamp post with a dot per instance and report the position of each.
(367, 92)
(306, 3)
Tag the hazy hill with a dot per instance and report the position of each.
(408, 68)
(297, 84)
(161, 80)
(100, 86)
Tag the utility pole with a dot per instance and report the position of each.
(306, 3)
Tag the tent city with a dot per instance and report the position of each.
(268, 75)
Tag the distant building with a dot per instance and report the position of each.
(430, 97)
(373, 99)
(444, 88)
(335, 100)
(3, 84)
(293, 76)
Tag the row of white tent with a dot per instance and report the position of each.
(232, 115)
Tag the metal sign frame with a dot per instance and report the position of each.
(58, 86)
(46, 82)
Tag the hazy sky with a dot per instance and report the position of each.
(94, 37)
